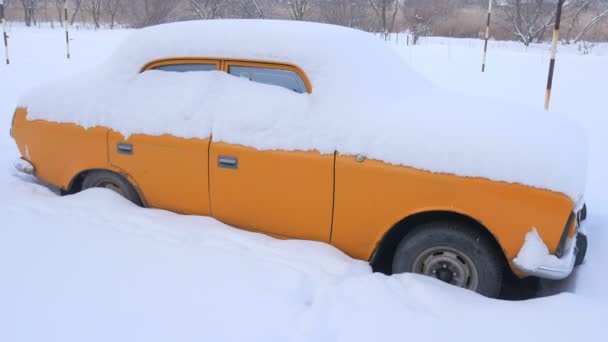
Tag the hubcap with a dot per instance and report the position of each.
(448, 265)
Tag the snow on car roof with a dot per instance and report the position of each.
(365, 100)
(319, 49)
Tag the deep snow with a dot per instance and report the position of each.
(365, 100)
(93, 267)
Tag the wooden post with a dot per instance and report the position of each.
(487, 36)
(67, 31)
(558, 17)
(4, 34)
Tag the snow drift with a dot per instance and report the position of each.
(365, 100)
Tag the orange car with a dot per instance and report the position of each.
(462, 230)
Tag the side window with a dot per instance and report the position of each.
(278, 77)
(185, 67)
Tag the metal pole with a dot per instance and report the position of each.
(487, 36)
(558, 17)
(4, 34)
(67, 31)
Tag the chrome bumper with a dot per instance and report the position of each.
(24, 166)
(558, 270)
(570, 252)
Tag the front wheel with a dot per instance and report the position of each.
(112, 181)
(454, 253)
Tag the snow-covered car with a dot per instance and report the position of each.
(313, 131)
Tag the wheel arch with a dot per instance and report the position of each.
(75, 184)
(382, 257)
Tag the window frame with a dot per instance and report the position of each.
(227, 63)
(182, 60)
(222, 64)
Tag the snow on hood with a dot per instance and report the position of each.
(365, 100)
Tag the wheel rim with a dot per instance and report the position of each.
(448, 265)
(110, 186)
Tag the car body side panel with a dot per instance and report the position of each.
(276, 192)
(290, 194)
(59, 151)
(372, 196)
(170, 172)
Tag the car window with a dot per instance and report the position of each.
(186, 67)
(278, 77)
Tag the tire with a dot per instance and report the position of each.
(581, 249)
(112, 181)
(453, 252)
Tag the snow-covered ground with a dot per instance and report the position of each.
(93, 267)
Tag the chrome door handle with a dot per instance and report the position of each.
(228, 162)
(124, 148)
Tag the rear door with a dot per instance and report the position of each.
(285, 193)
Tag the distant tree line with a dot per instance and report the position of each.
(525, 20)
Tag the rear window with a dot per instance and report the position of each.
(278, 77)
(188, 67)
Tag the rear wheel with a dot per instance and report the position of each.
(112, 181)
(454, 253)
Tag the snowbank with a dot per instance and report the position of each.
(365, 100)
(94, 267)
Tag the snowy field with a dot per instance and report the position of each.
(93, 267)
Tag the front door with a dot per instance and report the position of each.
(277, 192)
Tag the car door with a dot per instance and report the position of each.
(170, 172)
(284, 193)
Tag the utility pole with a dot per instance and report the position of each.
(67, 24)
(4, 34)
(558, 17)
(485, 44)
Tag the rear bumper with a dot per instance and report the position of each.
(24, 166)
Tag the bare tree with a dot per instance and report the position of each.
(45, 7)
(420, 15)
(299, 8)
(112, 7)
(75, 10)
(94, 9)
(262, 9)
(595, 20)
(154, 12)
(351, 13)
(581, 6)
(386, 12)
(528, 19)
(59, 9)
(29, 11)
(208, 9)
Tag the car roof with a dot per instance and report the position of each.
(332, 57)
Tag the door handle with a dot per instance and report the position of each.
(228, 162)
(124, 148)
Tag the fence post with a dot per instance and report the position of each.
(4, 34)
(67, 31)
(487, 36)
(558, 17)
